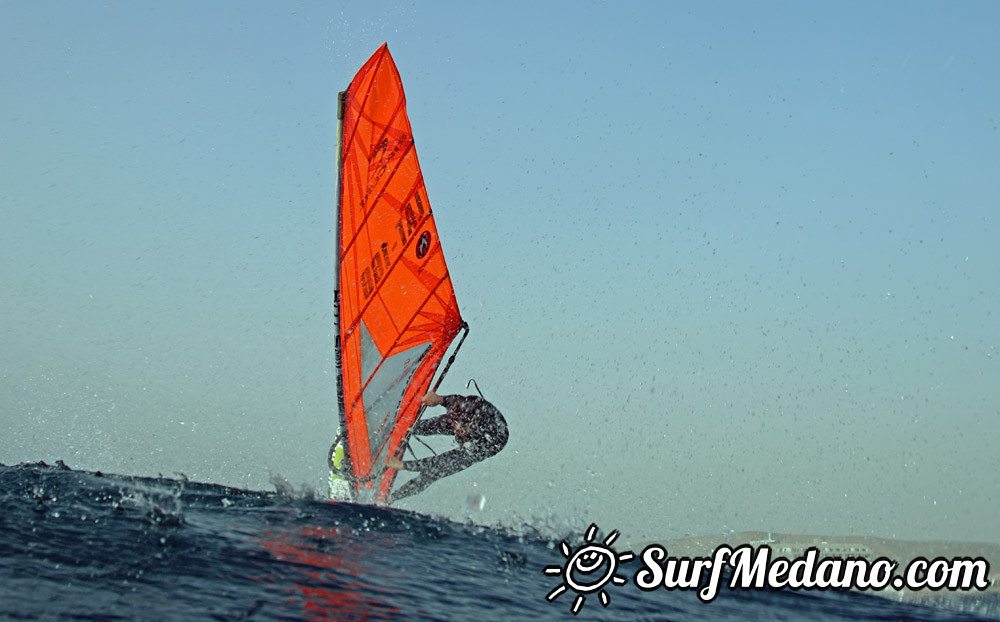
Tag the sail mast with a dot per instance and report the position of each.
(341, 97)
(340, 441)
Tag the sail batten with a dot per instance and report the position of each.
(397, 313)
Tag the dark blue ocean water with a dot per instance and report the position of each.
(78, 545)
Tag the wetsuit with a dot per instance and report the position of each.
(479, 429)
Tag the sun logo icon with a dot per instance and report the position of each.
(588, 569)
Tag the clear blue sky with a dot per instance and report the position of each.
(727, 265)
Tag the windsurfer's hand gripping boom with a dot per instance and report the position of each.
(432, 399)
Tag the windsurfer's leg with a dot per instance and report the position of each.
(434, 468)
(412, 487)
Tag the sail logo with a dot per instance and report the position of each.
(423, 244)
(380, 167)
(380, 264)
(588, 568)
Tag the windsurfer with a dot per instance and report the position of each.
(479, 429)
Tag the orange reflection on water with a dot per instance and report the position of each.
(335, 568)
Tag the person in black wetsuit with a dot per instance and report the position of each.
(479, 429)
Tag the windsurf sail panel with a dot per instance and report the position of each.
(396, 307)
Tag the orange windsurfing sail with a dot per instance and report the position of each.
(396, 308)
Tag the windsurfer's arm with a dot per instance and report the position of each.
(460, 403)
(436, 425)
(441, 424)
(460, 410)
(451, 402)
